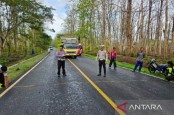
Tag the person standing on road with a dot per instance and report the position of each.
(140, 56)
(113, 56)
(3, 77)
(102, 59)
(61, 61)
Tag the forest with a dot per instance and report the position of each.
(125, 24)
(22, 29)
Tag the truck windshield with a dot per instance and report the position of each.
(70, 46)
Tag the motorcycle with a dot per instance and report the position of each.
(153, 67)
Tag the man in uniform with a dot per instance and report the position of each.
(102, 59)
(61, 61)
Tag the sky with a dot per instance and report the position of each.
(59, 15)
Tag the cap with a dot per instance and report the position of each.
(4, 68)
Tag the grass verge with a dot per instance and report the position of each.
(21, 67)
(128, 66)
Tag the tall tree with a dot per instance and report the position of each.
(16, 13)
(129, 26)
(104, 22)
(172, 49)
(166, 32)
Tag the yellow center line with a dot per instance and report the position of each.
(99, 90)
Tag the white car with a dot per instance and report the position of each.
(51, 48)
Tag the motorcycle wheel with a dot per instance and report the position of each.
(151, 69)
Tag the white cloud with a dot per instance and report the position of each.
(59, 15)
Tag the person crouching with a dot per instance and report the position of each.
(3, 77)
(170, 71)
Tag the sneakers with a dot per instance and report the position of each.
(99, 75)
(64, 75)
(114, 67)
(134, 71)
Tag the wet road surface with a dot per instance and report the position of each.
(41, 92)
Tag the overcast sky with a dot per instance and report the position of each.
(59, 15)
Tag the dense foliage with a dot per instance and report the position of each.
(22, 28)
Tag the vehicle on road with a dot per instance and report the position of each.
(70, 50)
(70, 47)
(153, 67)
(51, 47)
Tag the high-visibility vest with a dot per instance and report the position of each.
(0, 85)
(170, 69)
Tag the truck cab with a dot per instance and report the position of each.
(70, 47)
(70, 50)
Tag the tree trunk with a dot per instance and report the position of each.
(166, 32)
(149, 19)
(142, 40)
(172, 39)
(122, 27)
(158, 29)
(104, 22)
(129, 26)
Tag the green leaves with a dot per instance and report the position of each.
(20, 20)
(30, 12)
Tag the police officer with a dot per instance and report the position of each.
(61, 61)
(102, 59)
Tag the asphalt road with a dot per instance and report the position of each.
(41, 92)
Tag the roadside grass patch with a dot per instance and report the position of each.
(21, 67)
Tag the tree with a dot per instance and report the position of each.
(17, 13)
(166, 32)
(129, 26)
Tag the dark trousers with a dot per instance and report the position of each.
(112, 61)
(170, 78)
(61, 64)
(102, 63)
(140, 64)
(2, 79)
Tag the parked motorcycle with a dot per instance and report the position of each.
(153, 67)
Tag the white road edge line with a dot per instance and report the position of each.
(11, 86)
